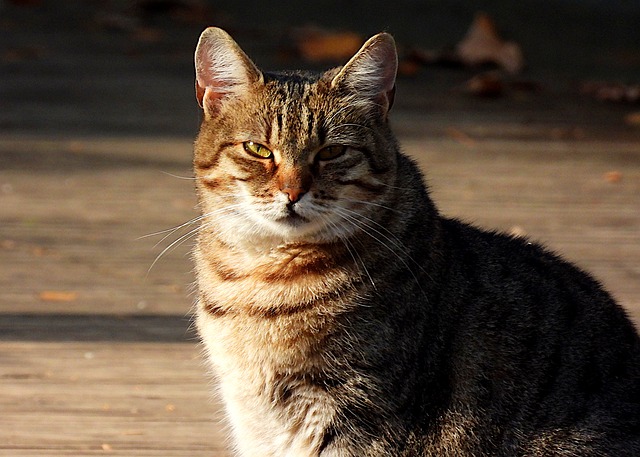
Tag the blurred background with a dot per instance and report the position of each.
(125, 67)
(525, 116)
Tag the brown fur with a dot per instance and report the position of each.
(343, 316)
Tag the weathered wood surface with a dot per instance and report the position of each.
(96, 355)
(105, 398)
(76, 214)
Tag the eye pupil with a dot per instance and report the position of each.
(331, 152)
(256, 149)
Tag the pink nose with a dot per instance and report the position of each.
(294, 193)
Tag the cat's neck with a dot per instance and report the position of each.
(280, 279)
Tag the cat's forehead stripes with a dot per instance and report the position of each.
(292, 121)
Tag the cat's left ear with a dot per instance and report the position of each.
(371, 72)
(223, 70)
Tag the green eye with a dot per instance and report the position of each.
(256, 149)
(331, 152)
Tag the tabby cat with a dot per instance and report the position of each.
(344, 316)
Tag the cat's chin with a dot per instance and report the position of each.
(296, 229)
(293, 220)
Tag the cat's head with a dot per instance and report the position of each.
(293, 156)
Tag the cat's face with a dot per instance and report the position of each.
(292, 157)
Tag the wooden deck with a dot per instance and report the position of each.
(96, 355)
(96, 352)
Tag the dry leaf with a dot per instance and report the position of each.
(58, 296)
(21, 54)
(8, 244)
(482, 44)
(612, 92)
(485, 85)
(39, 251)
(633, 119)
(613, 177)
(148, 35)
(460, 137)
(424, 56)
(408, 67)
(318, 45)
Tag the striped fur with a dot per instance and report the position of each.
(343, 316)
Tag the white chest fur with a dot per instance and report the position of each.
(272, 408)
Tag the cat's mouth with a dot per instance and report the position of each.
(293, 219)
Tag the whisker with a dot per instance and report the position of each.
(390, 186)
(171, 230)
(195, 220)
(397, 244)
(351, 249)
(191, 233)
(172, 245)
(188, 178)
(394, 239)
(372, 204)
(350, 124)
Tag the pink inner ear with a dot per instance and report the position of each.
(212, 99)
(222, 70)
(371, 73)
(209, 96)
(199, 93)
(389, 70)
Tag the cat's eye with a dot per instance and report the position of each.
(258, 150)
(330, 152)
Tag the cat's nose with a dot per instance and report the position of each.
(294, 183)
(294, 193)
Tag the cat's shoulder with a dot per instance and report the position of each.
(503, 256)
(491, 270)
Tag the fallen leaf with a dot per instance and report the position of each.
(613, 177)
(408, 67)
(611, 92)
(424, 56)
(8, 244)
(39, 251)
(482, 44)
(148, 35)
(58, 296)
(460, 137)
(485, 85)
(317, 45)
(22, 54)
(633, 119)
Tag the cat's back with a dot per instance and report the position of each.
(539, 344)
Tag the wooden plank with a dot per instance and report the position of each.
(557, 192)
(106, 398)
(112, 369)
(78, 209)
(81, 220)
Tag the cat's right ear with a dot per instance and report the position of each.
(223, 70)
(371, 73)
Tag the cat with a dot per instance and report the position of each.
(343, 315)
